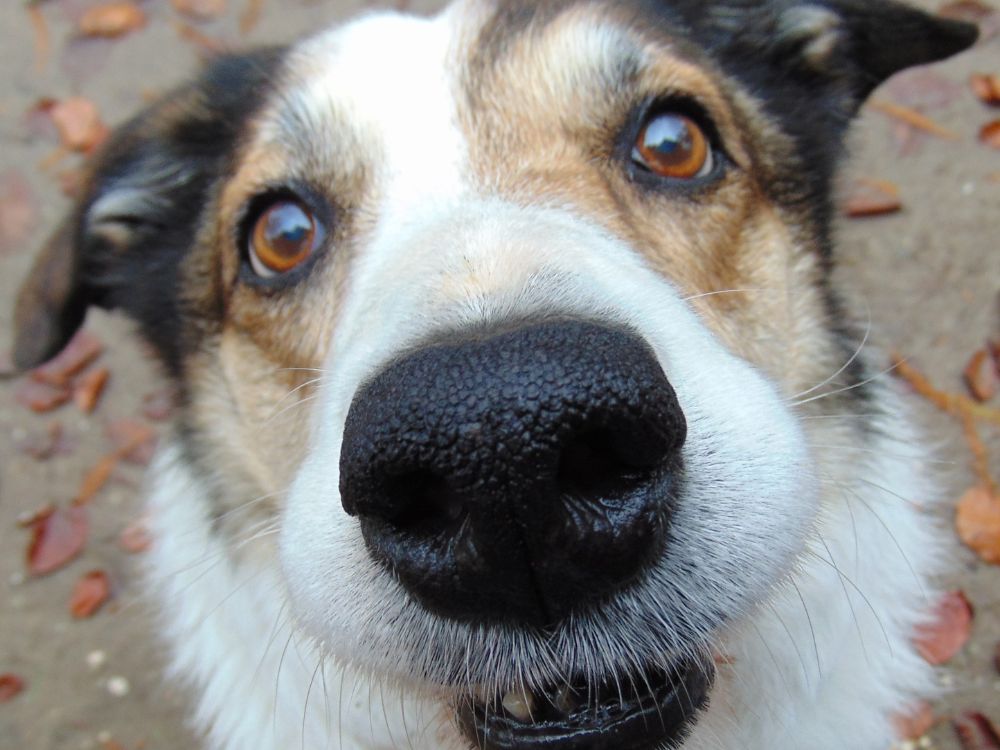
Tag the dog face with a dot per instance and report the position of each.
(514, 336)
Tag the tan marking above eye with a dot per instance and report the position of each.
(674, 146)
(284, 236)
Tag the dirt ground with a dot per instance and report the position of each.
(930, 276)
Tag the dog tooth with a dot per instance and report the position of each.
(519, 705)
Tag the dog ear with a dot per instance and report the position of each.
(122, 245)
(860, 43)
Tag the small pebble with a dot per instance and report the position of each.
(118, 687)
(104, 736)
(96, 659)
(16, 579)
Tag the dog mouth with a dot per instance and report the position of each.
(642, 711)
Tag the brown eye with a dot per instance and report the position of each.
(283, 237)
(672, 145)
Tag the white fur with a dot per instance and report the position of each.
(814, 550)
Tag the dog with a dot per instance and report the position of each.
(517, 406)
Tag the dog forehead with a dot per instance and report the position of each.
(393, 96)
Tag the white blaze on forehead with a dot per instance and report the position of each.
(389, 77)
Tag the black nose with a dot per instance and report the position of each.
(518, 476)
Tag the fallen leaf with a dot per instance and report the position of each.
(90, 594)
(134, 441)
(136, 538)
(939, 641)
(981, 377)
(986, 88)
(79, 123)
(41, 398)
(10, 686)
(977, 520)
(95, 479)
(158, 405)
(251, 15)
(57, 538)
(872, 198)
(976, 732)
(984, 16)
(75, 357)
(88, 389)
(208, 46)
(44, 445)
(965, 10)
(915, 723)
(913, 118)
(989, 134)
(18, 211)
(112, 20)
(42, 40)
(200, 10)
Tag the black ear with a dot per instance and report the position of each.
(839, 48)
(864, 42)
(122, 245)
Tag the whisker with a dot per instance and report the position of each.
(849, 362)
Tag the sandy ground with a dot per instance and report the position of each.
(930, 276)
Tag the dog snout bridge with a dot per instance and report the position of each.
(516, 476)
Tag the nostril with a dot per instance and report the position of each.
(592, 466)
(425, 503)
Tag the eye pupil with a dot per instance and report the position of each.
(283, 237)
(672, 145)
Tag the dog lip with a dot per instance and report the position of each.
(659, 711)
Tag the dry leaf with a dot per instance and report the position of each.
(872, 198)
(42, 41)
(79, 124)
(18, 211)
(251, 15)
(915, 723)
(200, 10)
(939, 641)
(986, 88)
(95, 479)
(208, 46)
(978, 522)
(75, 357)
(965, 10)
(112, 20)
(976, 732)
(88, 389)
(136, 537)
(913, 118)
(981, 376)
(44, 445)
(10, 686)
(134, 441)
(90, 594)
(989, 134)
(58, 536)
(41, 398)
